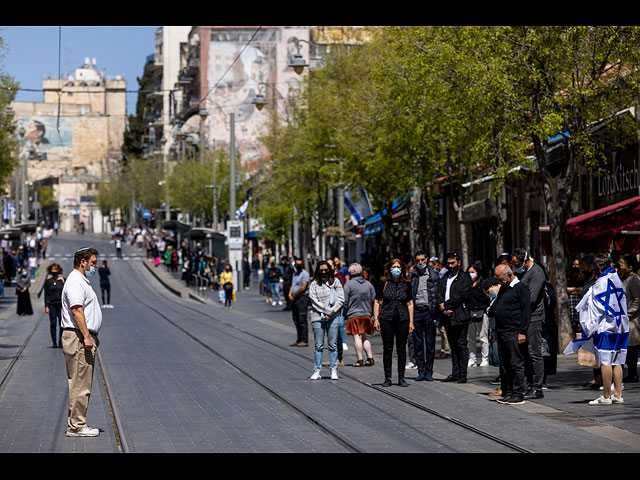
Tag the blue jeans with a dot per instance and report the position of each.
(331, 328)
(275, 291)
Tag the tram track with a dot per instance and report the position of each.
(329, 431)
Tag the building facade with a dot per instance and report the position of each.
(72, 142)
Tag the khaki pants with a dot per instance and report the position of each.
(80, 364)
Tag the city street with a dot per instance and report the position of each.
(178, 374)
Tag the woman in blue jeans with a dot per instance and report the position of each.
(326, 298)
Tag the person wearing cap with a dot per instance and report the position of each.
(424, 283)
(359, 296)
(81, 322)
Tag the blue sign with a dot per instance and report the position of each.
(146, 214)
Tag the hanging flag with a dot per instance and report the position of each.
(243, 208)
(358, 204)
(604, 321)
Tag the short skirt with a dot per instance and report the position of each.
(359, 325)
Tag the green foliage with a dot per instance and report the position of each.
(8, 142)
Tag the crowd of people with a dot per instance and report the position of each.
(503, 316)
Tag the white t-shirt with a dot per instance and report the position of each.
(77, 291)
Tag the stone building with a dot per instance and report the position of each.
(72, 142)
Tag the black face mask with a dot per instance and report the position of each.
(299, 266)
(453, 269)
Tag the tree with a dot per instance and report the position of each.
(564, 79)
(8, 142)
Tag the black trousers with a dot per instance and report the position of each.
(106, 293)
(299, 308)
(512, 361)
(424, 340)
(533, 359)
(457, 336)
(391, 330)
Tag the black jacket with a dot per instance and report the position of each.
(432, 287)
(458, 302)
(512, 309)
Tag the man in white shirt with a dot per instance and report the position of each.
(81, 322)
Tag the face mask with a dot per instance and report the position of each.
(453, 269)
(421, 266)
(473, 275)
(396, 272)
(91, 272)
(299, 267)
(520, 270)
(493, 294)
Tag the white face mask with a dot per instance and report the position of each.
(473, 275)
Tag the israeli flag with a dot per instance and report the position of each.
(358, 205)
(243, 208)
(604, 321)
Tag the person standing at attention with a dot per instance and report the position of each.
(454, 293)
(53, 302)
(105, 284)
(81, 322)
(299, 296)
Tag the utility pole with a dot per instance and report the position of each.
(232, 167)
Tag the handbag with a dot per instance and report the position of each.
(477, 315)
(587, 359)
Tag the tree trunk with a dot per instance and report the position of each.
(499, 238)
(558, 192)
(414, 220)
(462, 227)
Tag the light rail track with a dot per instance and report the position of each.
(464, 425)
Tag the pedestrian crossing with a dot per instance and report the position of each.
(109, 256)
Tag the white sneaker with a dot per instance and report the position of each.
(334, 374)
(345, 347)
(601, 401)
(411, 366)
(316, 375)
(280, 302)
(484, 363)
(472, 363)
(85, 432)
(273, 303)
(615, 399)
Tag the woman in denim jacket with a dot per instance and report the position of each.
(326, 297)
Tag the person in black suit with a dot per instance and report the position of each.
(453, 297)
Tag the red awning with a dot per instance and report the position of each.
(596, 231)
(616, 225)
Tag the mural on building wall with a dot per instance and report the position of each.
(236, 88)
(50, 138)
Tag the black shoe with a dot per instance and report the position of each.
(386, 383)
(462, 380)
(496, 381)
(512, 400)
(421, 377)
(533, 394)
(450, 379)
(402, 383)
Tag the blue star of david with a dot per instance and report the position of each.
(604, 299)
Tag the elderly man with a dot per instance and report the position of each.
(512, 313)
(533, 277)
(81, 322)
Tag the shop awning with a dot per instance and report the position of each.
(616, 226)
(596, 231)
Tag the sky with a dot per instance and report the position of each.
(33, 54)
